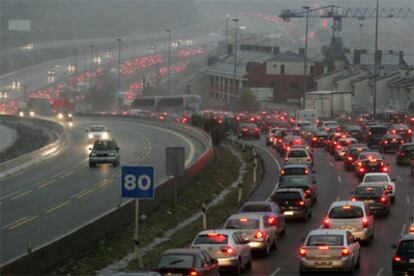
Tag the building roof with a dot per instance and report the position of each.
(289, 56)
(348, 74)
(368, 59)
(339, 71)
(406, 82)
(226, 65)
(409, 60)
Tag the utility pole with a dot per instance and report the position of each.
(374, 111)
(235, 20)
(226, 32)
(169, 60)
(118, 79)
(92, 67)
(305, 64)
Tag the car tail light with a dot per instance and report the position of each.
(271, 220)
(410, 131)
(323, 247)
(401, 154)
(361, 169)
(402, 141)
(365, 222)
(385, 169)
(383, 199)
(411, 229)
(350, 158)
(370, 133)
(288, 148)
(280, 140)
(243, 219)
(227, 249)
(385, 142)
(338, 147)
(302, 252)
(345, 251)
(193, 273)
(282, 172)
(334, 142)
(286, 159)
(300, 203)
(359, 163)
(396, 259)
(389, 188)
(308, 191)
(306, 171)
(308, 159)
(257, 129)
(260, 235)
(314, 139)
(245, 129)
(354, 199)
(326, 223)
(394, 131)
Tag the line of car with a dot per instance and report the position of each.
(102, 146)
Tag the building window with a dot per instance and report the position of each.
(274, 65)
(282, 69)
(294, 86)
(312, 70)
(258, 84)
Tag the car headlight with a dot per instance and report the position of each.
(32, 113)
(112, 154)
(70, 115)
(21, 114)
(105, 135)
(90, 135)
(70, 124)
(60, 115)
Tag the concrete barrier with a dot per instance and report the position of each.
(41, 260)
(32, 158)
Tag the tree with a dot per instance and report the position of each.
(247, 101)
(101, 95)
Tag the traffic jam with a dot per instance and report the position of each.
(368, 151)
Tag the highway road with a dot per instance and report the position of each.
(61, 194)
(335, 183)
(7, 137)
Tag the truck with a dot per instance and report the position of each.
(329, 104)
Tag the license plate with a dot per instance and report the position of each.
(174, 274)
(369, 201)
(323, 264)
(288, 213)
(411, 261)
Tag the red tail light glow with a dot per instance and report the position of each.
(308, 191)
(410, 131)
(243, 219)
(402, 141)
(257, 129)
(389, 188)
(396, 259)
(394, 131)
(260, 235)
(350, 158)
(272, 220)
(323, 247)
(383, 199)
(345, 251)
(302, 252)
(227, 249)
(326, 223)
(193, 273)
(385, 142)
(286, 159)
(365, 222)
(354, 199)
(338, 147)
(314, 139)
(411, 229)
(245, 129)
(300, 203)
(361, 169)
(385, 169)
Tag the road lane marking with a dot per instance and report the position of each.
(58, 174)
(66, 174)
(11, 194)
(47, 183)
(14, 222)
(399, 178)
(339, 178)
(21, 194)
(22, 222)
(57, 207)
(271, 155)
(332, 164)
(403, 230)
(105, 182)
(275, 272)
(85, 193)
(379, 272)
(408, 199)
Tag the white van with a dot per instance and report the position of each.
(307, 115)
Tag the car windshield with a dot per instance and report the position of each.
(256, 208)
(376, 178)
(104, 145)
(369, 191)
(282, 196)
(319, 240)
(346, 212)
(176, 261)
(97, 129)
(242, 223)
(297, 154)
(212, 238)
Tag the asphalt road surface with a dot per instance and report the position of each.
(59, 195)
(335, 183)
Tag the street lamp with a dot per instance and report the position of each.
(235, 20)
(169, 59)
(92, 67)
(305, 81)
(118, 78)
(375, 63)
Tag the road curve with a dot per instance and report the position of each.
(59, 195)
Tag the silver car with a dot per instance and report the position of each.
(353, 216)
(260, 229)
(298, 156)
(227, 246)
(329, 249)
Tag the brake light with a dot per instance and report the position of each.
(314, 139)
(302, 252)
(365, 222)
(308, 159)
(370, 133)
(361, 169)
(212, 234)
(385, 169)
(308, 191)
(300, 203)
(350, 158)
(280, 140)
(346, 207)
(359, 163)
(326, 223)
(410, 131)
(323, 247)
(271, 220)
(227, 249)
(286, 159)
(334, 142)
(345, 251)
(306, 171)
(282, 172)
(401, 154)
(396, 259)
(383, 199)
(193, 273)
(411, 229)
(353, 199)
(385, 142)
(257, 129)
(245, 129)
(394, 131)
(260, 235)
(402, 141)
(243, 219)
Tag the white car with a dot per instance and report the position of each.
(329, 250)
(353, 216)
(383, 178)
(298, 156)
(96, 132)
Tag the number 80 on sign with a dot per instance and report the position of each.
(137, 182)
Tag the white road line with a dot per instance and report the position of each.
(399, 178)
(276, 271)
(408, 199)
(403, 230)
(339, 178)
(332, 164)
(14, 222)
(271, 155)
(379, 272)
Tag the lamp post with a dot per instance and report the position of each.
(374, 111)
(226, 31)
(235, 20)
(118, 78)
(169, 60)
(305, 79)
(76, 60)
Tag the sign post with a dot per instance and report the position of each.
(175, 165)
(138, 183)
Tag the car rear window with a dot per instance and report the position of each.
(294, 171)
(317, 240)
(256, 208)
(294, 181)
(297, 153)
(378, 130)
(406, 248)
(399, 127)
(376, 178)
(290, 132)
(97, 129)
(213, 238)
(281, 196)
(242, 223)
(346, 212)
(176, 260)
(369, 191)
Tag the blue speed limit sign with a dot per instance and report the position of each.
(137, 182)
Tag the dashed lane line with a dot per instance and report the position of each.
(85, 193)
(58, 206)
(403, 230)
(10, 195)
(379, 272)
(332, 164)
(58, 174)
(275, 272)
(14, 222)
(339, 179)
(21, 195)
(66, 174)
(14, 226)
(407, 198)
(47, 183)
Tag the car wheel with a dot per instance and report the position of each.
(352, 269)
(393, 200)
(92, 165)
(275, 244)
(115, 164)
(238, 268)
(249, 261)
